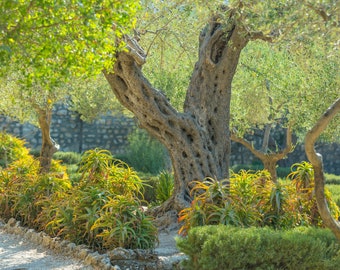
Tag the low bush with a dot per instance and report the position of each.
(282, 172)
(335, 193)
(145, 154)
(165, 186)
(252, 199)
(11, 149)
(102, 209)
(67, 157)
(332, 179)
(227, 247)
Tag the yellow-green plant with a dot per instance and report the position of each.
(252, 199)
(107, 199)
(122, 222)
(11, 149)
(95, 164)
(302, 177)
(165, 186)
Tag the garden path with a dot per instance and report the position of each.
(17, 253)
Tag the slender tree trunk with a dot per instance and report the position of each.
(197, 139)
(269, 160)
(48, 147)
(266, 136)
(316, 161)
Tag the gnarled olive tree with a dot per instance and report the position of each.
(198, 138)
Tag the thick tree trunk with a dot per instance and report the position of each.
(197, 139)
(269, 160)
(48, 147)
(316, 161)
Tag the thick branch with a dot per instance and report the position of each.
(258, 35)
(316, 161)
(320, 11)
(318, 128)
(248, 145)
(263, 155)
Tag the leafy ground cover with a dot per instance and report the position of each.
(252, 199)
(101, 208)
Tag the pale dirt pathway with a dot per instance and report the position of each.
(18, 254)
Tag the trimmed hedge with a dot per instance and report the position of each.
(226, 247)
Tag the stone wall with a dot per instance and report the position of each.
(108, 132)
(73, 134)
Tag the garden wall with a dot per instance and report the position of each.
(110, 132)
(73, 134)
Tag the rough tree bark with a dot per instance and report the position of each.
(316, 161)
(269, 160)
(198, 139)
(48, 147)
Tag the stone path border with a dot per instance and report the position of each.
(164, 257)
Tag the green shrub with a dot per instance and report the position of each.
(23, 189)
(102, 210)
(252, 199)
(332, 179)
(282, 172)
(150, 183)
(145, 154)
(227, 247)
(335, 193)
(35, 152)
(165, 186)
(67, 157)
(11, 149)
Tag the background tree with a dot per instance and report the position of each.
(91, 97)
(31, 104)
(271, 88)
(48, 43)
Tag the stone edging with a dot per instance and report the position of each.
(116, 259)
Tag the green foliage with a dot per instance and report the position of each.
(67, 157)
(11, 149)
(227, 247)
(91, 97)
(165, 186)
(252, 199)
(335, 193)
(122, 222)
(332, 179)
(145, 154)
(70, 37)
(102, 210)
(282, 172)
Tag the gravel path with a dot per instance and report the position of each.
(18, 254)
